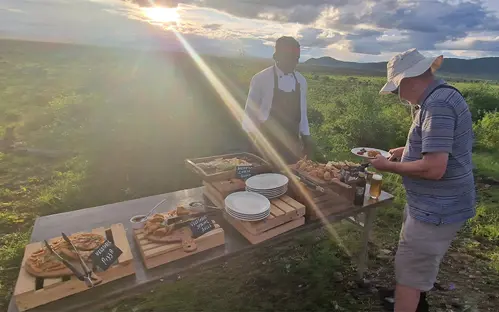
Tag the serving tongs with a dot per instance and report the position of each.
(88, 276)
(300, 177)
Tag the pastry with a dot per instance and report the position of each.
(85, 243)
(42, 263)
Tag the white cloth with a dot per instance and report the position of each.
(261, 93)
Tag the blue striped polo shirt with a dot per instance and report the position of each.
(442, 124)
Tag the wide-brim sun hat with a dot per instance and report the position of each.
(408, 64)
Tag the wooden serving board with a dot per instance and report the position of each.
(327, 204)
(31, 292)
(343, 189)
(285, 214)
(156, 254)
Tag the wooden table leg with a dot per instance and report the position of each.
(363, 257)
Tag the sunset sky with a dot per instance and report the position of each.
(351, 30)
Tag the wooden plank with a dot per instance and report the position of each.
(51, 282)
(209, 242)
(255, 239)
(214, 193)
(282, 206)
(100, 231)
(323, 198)
(165, 249)
(120, 240)
(214, 199)
(293, 203)
(228, 187)
(25, 282)
(329, 208)
(153, 249)
(73, 286)
(256, 228)
(276, 211)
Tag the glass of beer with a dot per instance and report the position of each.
(376, 182)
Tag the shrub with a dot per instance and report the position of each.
(487, 131)
(481, 98)
(361, 117)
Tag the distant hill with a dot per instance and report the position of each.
(480, 68)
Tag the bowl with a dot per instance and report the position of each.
(138, 221)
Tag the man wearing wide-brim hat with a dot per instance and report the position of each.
(436, 166)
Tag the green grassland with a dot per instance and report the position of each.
(122, 122)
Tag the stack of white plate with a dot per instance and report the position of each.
(270, 185)
(247, 206)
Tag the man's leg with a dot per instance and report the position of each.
(406, 298)
(421, 249)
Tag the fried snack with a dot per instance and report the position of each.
(373, 154)
(153, 224)
(327, 172)
(181, 211)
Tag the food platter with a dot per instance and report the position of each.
(323, 173)
(369, 152)
(167, 237)
(43, 280)
(223, 167)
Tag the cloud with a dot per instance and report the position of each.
(422, 24)
(316, 37)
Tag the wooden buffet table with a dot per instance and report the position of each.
(82, 220)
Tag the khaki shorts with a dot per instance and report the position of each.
(421, 249)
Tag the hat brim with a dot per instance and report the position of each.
(418, 69)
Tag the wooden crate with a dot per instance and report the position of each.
(156, 254)
(31, 292)
(285, 214)
(327, 203)
(218, 191)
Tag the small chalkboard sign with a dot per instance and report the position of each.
(244, 172)
(201, 226)
(105, 255)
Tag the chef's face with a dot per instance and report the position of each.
(288, 60)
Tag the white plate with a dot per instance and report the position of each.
(284, 190)
(267, 181)
(245, 215)
(248, 203)
(268, 190)
(246, 218)
(263, 217)
(273, 195)
(358, 149)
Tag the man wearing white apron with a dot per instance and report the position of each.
(277, 106)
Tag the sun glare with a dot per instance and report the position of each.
(161, 15)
